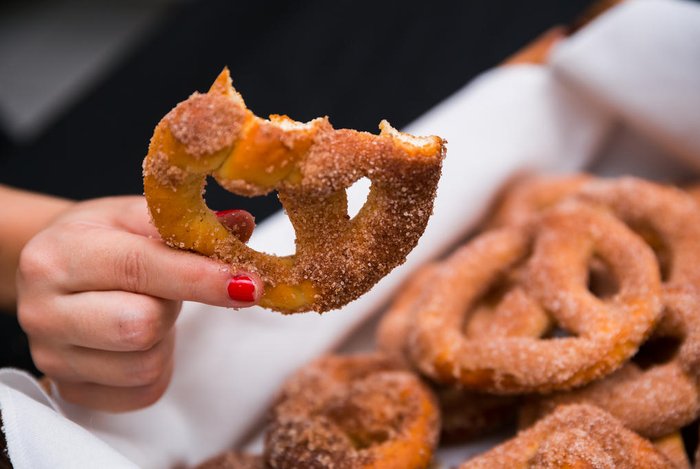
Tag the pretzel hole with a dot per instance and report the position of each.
(691, 439)
(482, 311)
(658, 245)
(357, 196)
(494, 295)
(218, 198)
(261, 207)
(602, 283)
(657, 351)
(280, 241)
(558, 332)
(362, 428)
(365, 439)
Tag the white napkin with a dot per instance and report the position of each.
(641, 62)
(230, 363)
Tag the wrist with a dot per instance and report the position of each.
(23, 215)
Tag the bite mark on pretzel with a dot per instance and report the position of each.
(310, 165)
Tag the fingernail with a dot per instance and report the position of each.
(241, 288)
(223, 213)
(240, 223)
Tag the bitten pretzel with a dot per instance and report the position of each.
(574, 436)
(310, 165)
(353, 412)
(607, 331)
(654, 401)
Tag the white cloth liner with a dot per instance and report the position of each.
(637, 68)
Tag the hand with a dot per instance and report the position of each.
(98, 294)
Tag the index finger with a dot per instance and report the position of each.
(118, 260)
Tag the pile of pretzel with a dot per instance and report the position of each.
(572, 312)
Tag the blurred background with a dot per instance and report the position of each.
(83, 82)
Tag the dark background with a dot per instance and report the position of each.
(355, 61)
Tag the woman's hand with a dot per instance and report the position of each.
(98, 294)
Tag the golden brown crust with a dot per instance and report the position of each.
(465, 415)
(528, 196)
(393, 330)
(655, 401)
(608, 330)
(205, 123)
(353, 412)
(310, 165)
(573, 436)
(233, 460)
(664, 216)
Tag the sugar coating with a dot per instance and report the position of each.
(556, 252)
(573, 436)
(205, 123)
(656, 401)
(528, 196)
(352, 412)
(530, 279)
(166, 174)
(465, 414)
(663, 215)
(341, 257)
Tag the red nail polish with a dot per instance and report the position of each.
(240, 223)
(223, 213)
(241, 288)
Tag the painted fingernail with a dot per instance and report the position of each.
(223, 213)
(241, 288)
(239, 222)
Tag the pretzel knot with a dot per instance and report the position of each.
(465, 414)
(656, 400)
(310, 165)
(556, 258)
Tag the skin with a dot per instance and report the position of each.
(98, 293)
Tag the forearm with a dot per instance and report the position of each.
(22, 215)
